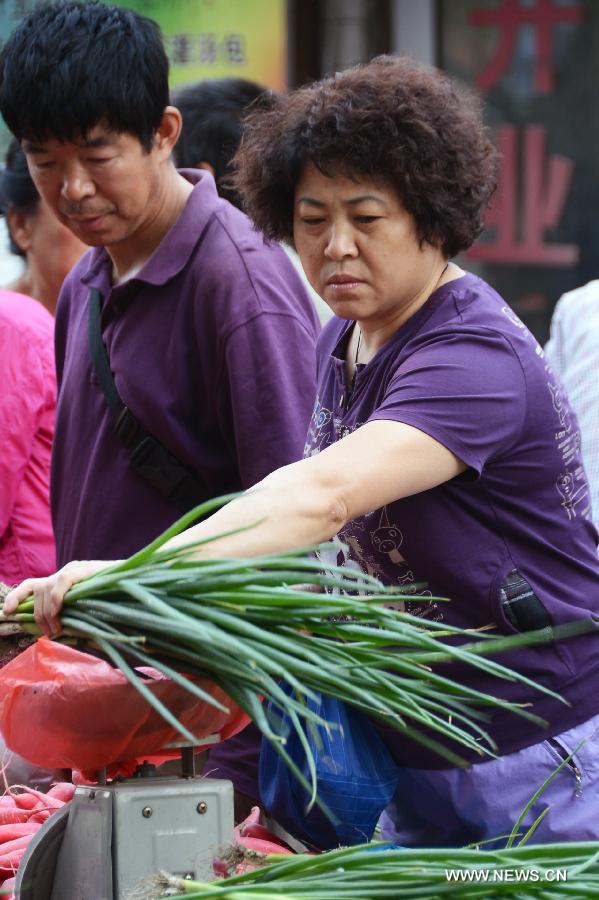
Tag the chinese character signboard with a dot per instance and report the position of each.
(217, 38)
(508, 17)
(534, 200)
(535, 63)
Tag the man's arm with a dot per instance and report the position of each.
(266, 389)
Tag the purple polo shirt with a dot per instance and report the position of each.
(510, 541)
(212, 346)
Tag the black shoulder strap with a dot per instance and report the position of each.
(147, 455)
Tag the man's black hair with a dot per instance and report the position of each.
(17, 190)
(212, 125)
(71, 66)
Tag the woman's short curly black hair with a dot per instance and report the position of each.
(392, 121)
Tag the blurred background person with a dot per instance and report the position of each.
(27, 405)
(573, 353)
(27, 376)
(213, 112)
(28, 397)
(212, 127)
(48, 249)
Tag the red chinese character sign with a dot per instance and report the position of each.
(515, 52)
(534, 200)
(508, 18)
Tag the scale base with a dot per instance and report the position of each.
(111, 837)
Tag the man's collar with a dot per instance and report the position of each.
(174, 250)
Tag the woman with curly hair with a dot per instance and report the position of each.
(442, 450)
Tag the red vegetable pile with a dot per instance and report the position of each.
(252, 844)
(23, 811)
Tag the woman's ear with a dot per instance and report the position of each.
(19, 226)
(168, 131)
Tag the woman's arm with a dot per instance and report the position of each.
(310, 500)
(298, 505)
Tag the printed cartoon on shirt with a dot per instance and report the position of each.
(325, 428)
(369, 544)
(319, 432)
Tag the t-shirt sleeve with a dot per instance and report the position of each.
(267, 389)
(468, 392)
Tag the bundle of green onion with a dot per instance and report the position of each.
(244, 624)
(372, 872)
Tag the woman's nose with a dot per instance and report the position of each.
(341, 242)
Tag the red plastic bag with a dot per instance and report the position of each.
(60, 708)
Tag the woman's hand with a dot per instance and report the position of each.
(49, 592)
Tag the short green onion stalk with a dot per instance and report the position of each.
(377, 872)
(245, 624)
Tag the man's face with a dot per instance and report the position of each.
(104, 186)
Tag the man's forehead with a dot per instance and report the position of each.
(99, 136)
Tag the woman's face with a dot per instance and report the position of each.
(360, 248)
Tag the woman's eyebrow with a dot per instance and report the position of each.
(351, 202)
(311, 201)
(363, 198)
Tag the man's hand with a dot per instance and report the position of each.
(49, 592)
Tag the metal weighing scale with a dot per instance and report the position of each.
(111, 837)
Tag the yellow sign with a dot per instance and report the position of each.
(218, 38)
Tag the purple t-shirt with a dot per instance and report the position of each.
(510, 541)
(212, 346)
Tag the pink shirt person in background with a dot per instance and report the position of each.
(27, 404)
(28, 395)
(27, 379)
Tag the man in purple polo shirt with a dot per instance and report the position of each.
(208, 330)
(209, 333)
